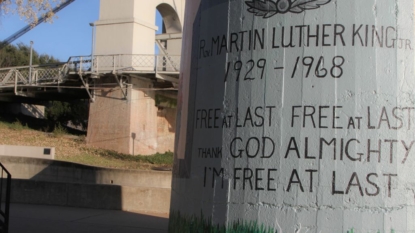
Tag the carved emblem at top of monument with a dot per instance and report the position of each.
(269, 8)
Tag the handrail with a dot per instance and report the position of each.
(40, 74)
(126, 62)
(34, 66)
(97, 64)
(18, 67)
(5, 204)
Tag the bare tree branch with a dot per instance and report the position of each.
(29, 10)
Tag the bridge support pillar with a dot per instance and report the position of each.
(130, 125)
(135, 21)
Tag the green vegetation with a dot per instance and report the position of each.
(59, 131)
(156, 159)
(62, 113)
(17, 125)
(12, 55)
(165, 101)
(112, 159)
(183, 224)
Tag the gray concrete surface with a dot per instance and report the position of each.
(51, 182)
(25, 218)
(126, 198)
(62, 171)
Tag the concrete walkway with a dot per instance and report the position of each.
(26, 218)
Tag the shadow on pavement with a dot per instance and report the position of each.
(25, 218)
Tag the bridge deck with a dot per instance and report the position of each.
(78, 72)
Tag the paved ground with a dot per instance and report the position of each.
(55, 219)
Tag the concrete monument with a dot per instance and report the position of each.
(296, 116)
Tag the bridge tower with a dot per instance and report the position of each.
(125, 115)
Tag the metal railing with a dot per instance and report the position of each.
(124, 62)
(5, 189)
(80, 63)
(26, 75)
(56, 73)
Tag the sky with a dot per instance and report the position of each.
(68, 35)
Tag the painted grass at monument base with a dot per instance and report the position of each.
(179, 223)
(354, 231)
(299, 113)
(199, 224)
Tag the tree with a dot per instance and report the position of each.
(19, 55)
(56, 111)
(76, 112)
(29, 10)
